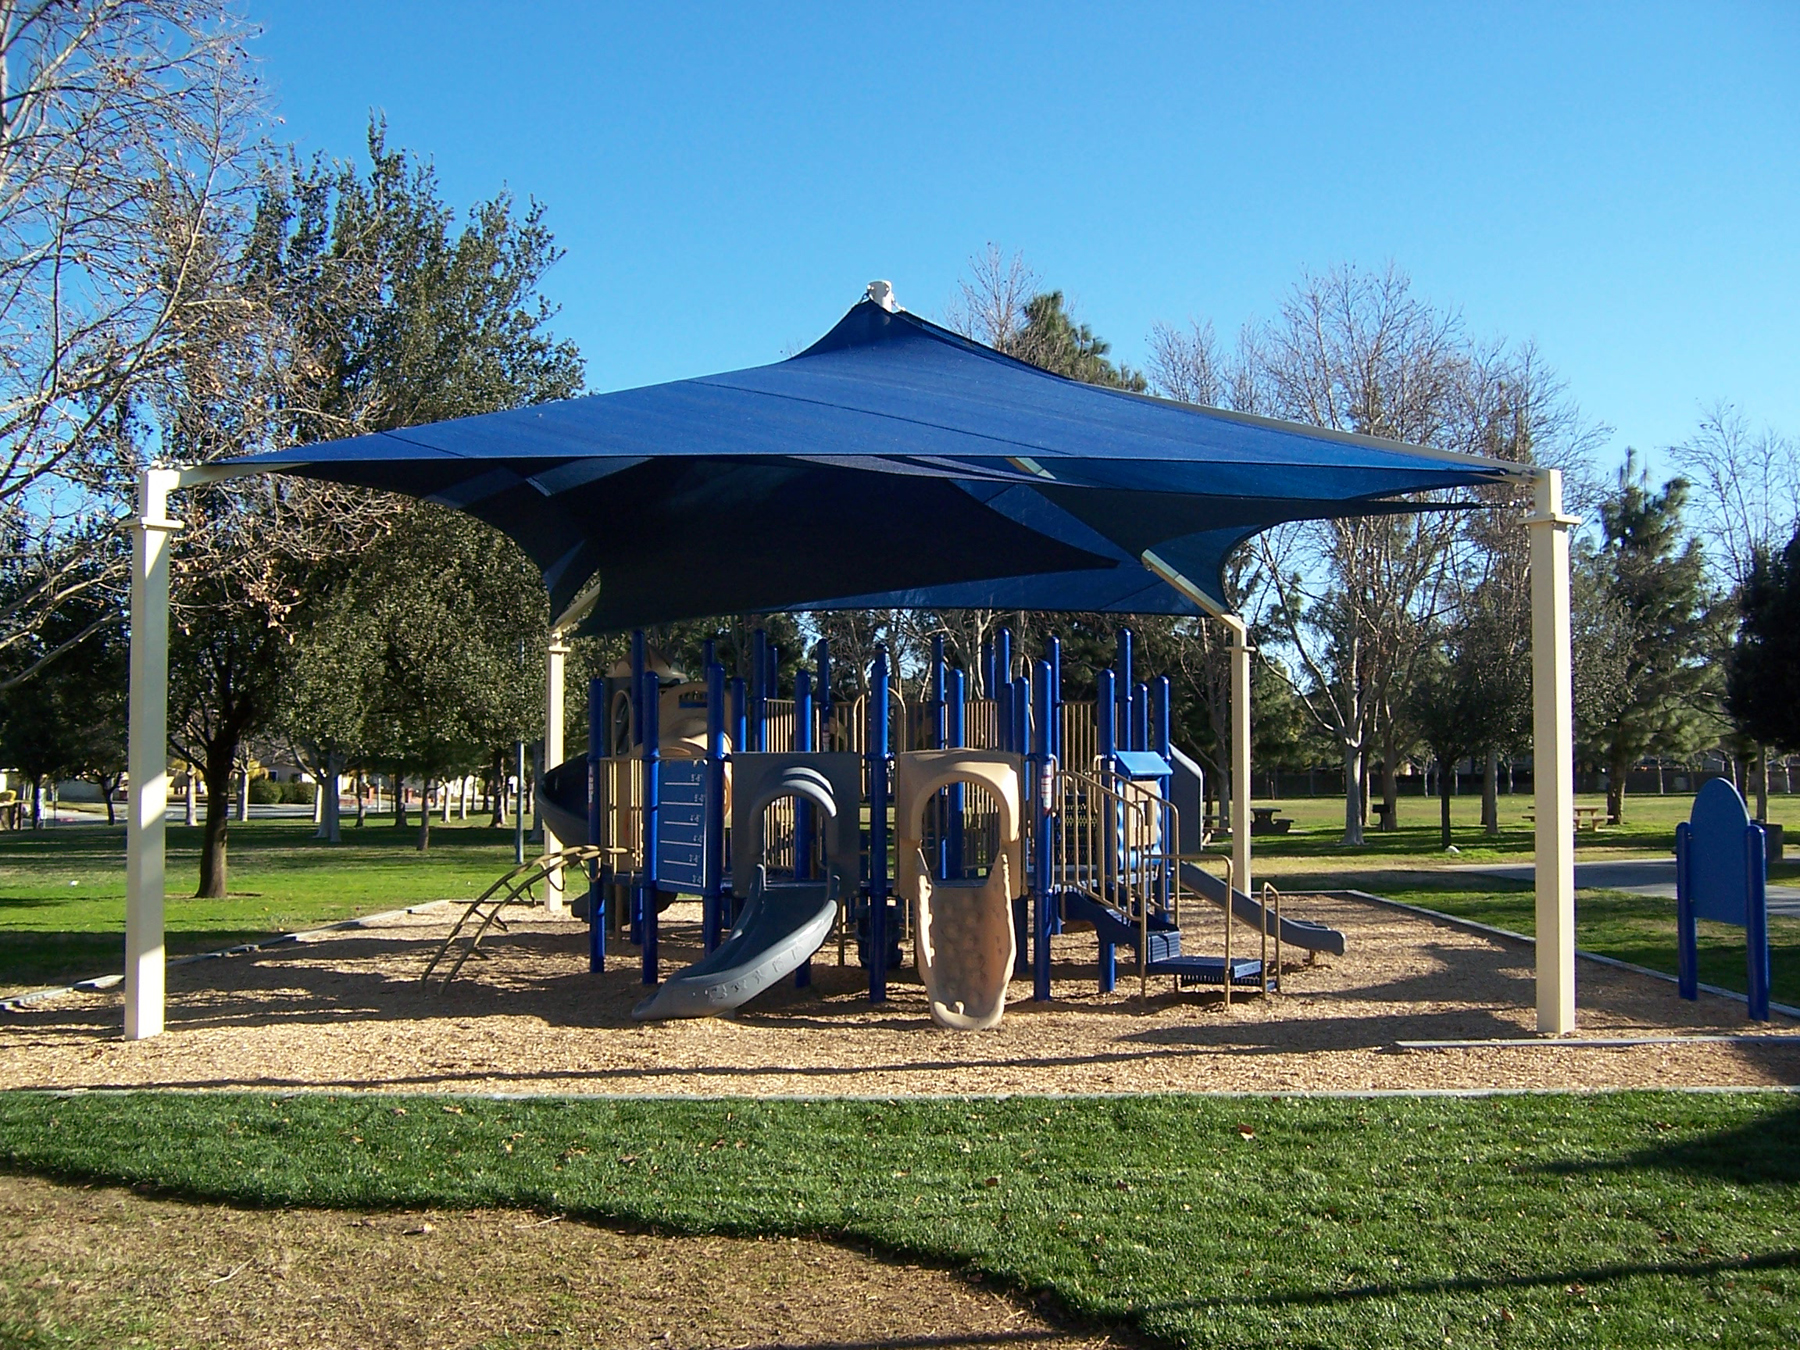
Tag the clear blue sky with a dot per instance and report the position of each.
(1619, 182)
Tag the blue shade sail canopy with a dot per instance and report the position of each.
(891, 464)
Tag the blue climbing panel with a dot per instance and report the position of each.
(1721, 874)
(681, 852)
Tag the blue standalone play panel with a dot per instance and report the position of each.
(1721, 873)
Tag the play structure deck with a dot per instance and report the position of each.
(981, 825)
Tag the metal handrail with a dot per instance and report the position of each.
(513, 887)
(1269, 891)
(1118, 844)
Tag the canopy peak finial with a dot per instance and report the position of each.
(882, 294)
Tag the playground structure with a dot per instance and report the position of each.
(995, 819)
(1015, 490)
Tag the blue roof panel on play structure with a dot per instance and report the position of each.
(1716, 871)
(892, 463)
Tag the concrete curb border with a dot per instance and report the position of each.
(17, 1002)
(1489, 930)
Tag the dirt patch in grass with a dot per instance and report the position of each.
(105, 1266)
(348, 1011)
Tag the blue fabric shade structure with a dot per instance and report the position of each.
(892, 463)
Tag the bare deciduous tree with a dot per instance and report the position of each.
(124, 132)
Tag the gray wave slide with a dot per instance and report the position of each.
(1303, 933)
(782, 925)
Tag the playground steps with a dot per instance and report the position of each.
(1163, 954)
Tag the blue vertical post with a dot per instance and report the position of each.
(1019, 704)
(1159, 699)
(712, 919)
(1106, 711)
(1756, 920)
(639, 670)
(1053, 650)
(596, 886)
(940, 739)
(1043, 770)
(878, 828)
(955, 730)
(987, 670)
(652, 827)
(1022, 741)
(1140, 717)
(1687, 955)
(759, 690)
(740, 744)
(709, 652)
(803, 810)
(1002, 687)
(740, 715)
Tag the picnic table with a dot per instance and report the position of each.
(1586, 818)
(1264, 821)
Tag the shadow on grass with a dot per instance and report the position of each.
(1761, 1152)
(1576, 1276)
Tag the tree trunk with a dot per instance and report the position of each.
(1444, 810)
(1762, 783)
(318, 800)
(1490, 795)
(1615, 790)
(1353, 795)
(219, 771)
(464, 786)
(444, 800)
(498, 770)
(37, 802)
(424, 815)
(362, 792)
(243, 783)
(1390, 782)
(191, 812)
(107, 784)
(330, 809)
(399, 797)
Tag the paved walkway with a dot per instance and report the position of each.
(1646, 876)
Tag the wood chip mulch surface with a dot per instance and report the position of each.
(347, 1011)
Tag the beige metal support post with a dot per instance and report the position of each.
(553, 755)
(147, 754)
(1240, 650)
(1553, 755)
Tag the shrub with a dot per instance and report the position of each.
(297, 793)
(264, 791)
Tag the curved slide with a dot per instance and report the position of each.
(1303, 933)
(782, 925)
(966, 945)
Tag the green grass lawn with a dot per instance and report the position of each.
(1648, 831)
(1640, 1219)
(62, 890)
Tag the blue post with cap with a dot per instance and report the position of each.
(712, 924)
(647, 890)
(1106, 711)
(596, 884)
(1043, 770)
(878, 828)
(955, 730)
